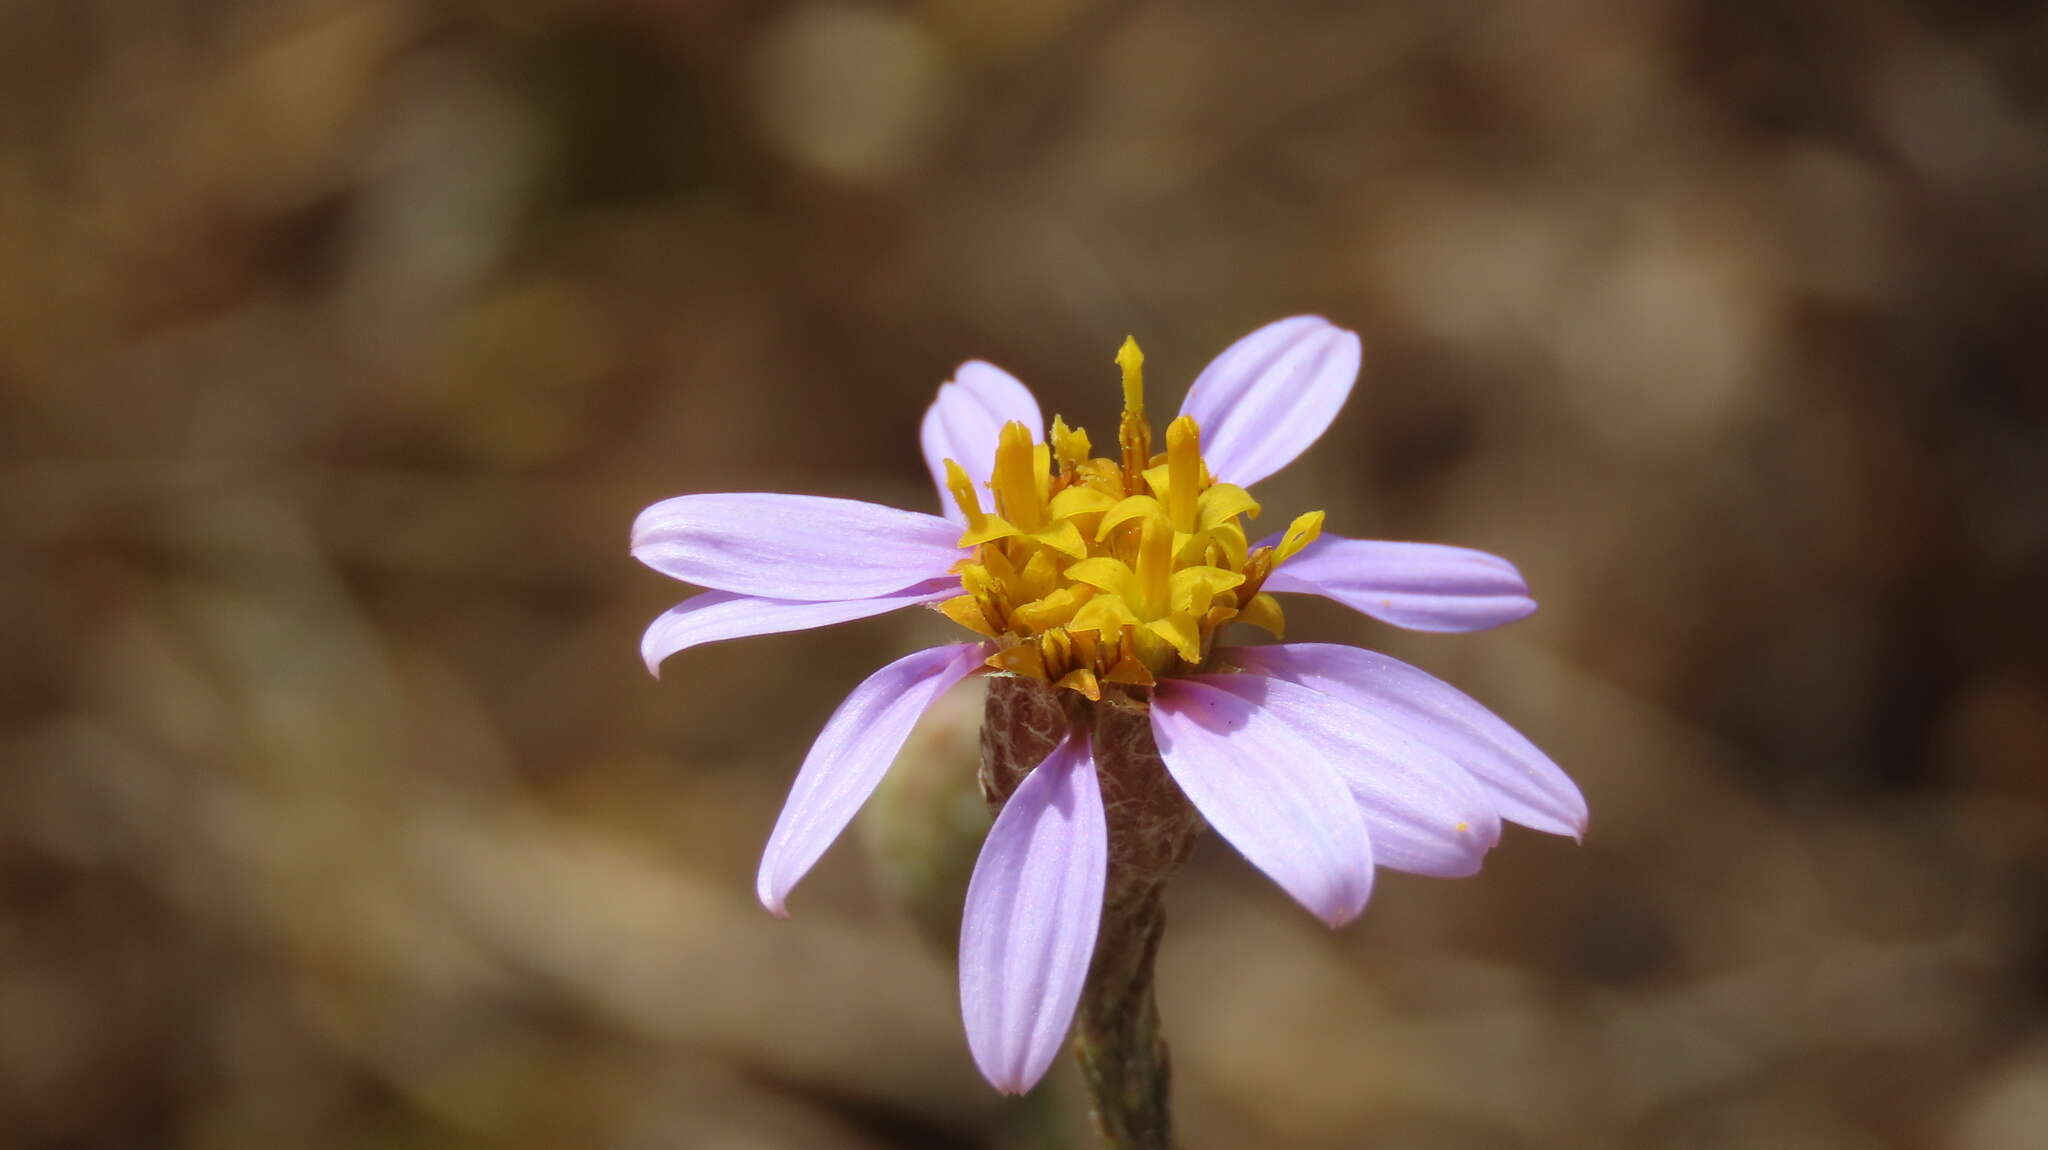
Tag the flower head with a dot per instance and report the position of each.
(1119, 569)
(1105, 579)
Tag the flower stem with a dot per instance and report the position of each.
(1116, 1032)
(1152, 827)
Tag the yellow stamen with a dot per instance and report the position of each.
(1015, 482)
(1133, 434)
(1090, 573)
(1183, 472)
(962, 489)
(1300, 533)
(1154, 569)
(1069, 445)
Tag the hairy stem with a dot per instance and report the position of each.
(1116, 1032)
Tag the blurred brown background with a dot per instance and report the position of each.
(340, 341)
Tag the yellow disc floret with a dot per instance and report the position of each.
(1090, 570)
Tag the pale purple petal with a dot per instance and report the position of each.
(964, 422)
(717, 615)
(1424, 814)
(1270, 395)
(1526, 786)
(1270, 793)
(794, 546)
(1420, 586)
(850, 756)
(1032, 910)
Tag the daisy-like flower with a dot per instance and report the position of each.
(1101, 582)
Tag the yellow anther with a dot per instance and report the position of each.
(1300, 533)
(962, 489)
(981, 528)
(1183, 472)
(1069, 445)
(1018, 497)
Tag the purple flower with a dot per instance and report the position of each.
(1109, 577)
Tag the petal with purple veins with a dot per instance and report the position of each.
(1420, 586)
(1270, 395)
(1269, 792)
(1033, 908)
(850, 757)
(716, 615)
(1525, 785)
(1423, 812)
(805, 547)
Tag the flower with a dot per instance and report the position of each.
(1108, 577)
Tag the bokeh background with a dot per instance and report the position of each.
(341, 340)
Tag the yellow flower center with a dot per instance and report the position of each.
(1090, 570)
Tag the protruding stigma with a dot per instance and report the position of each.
(1133, 434)
(1132, 361)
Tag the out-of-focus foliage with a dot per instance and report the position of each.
(340, 340)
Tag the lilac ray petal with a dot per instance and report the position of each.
(1270, 395)
(1424, 814)
(850, 756)
(794, 546)
(964, 422)
(717, 615)
(1526, 786)
(1420, 586)
(1269, 792)
(1033, 907)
